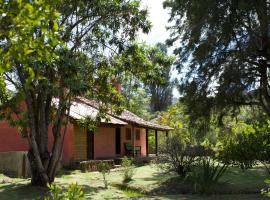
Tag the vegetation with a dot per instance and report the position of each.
(206, 175)
(266, 192)
(224, 51)
(74, 192)
(174, 157)
(49, 58)
(161, 92)
(104, 168)
(128, 169)
(54, 51)
(146, 96)
(148, 183)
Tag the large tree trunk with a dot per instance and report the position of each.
(43, 165)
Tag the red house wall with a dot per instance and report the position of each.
(104, 143)
(10, 140)
(141, 142)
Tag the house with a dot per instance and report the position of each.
(111, 139)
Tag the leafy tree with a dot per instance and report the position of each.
(53, 51)
(177, 118)
(245, 141)
(161, 93)
(223, 48)
(137, 101)
(159, 89)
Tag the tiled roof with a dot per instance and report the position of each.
(128, 117)
(79, 110)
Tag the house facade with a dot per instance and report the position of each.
(111, 139)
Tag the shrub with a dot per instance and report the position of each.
(74, 192)
(266, 192)
(206, 174)
(128, 169)
(104, 169)
(172, 156)
(246, 150)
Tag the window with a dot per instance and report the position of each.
(128, 134)
(138, 134)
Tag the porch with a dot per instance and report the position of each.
(124, 134)
(112, 142)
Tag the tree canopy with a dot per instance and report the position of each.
(223, 50)
(155, 87)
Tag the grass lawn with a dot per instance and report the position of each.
(148, 183)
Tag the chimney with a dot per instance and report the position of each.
(117, 85)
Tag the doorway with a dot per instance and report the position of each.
(118, 141)
(90, 145)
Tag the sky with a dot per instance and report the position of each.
(159, 18)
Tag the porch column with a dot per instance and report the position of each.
(156, 141)
(133, 140)
(146, 137)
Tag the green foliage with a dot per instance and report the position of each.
(246, 150)
(206, 174)
(266, 192)
(137, 101)
(21, 22)
(154, 89)
(129, 191)
(54, 51)
(104, 168)
(223, 53)
(172, 156)
(74, 192)
(128, 169)
(244, 140)
(161, 92)
(176, 118)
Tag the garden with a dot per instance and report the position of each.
(205, 78)
(148, 182)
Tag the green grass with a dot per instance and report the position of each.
(130, 192)
(148, 183)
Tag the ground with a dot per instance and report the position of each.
(149, 183)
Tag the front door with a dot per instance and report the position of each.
(90, 145)
(117, 140)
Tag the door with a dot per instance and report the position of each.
(90, 145)
(117, 140)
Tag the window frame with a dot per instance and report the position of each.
(138, 134)
(128, 134)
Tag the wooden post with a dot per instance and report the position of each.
(146, 137)
(156, 141)
(133, 140)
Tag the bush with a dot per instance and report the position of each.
(172, 156)
(206, 174)
(104, 169)
(128, 169)
(246, 150)
(266, 192)
(74, 192)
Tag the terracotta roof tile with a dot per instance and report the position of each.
(128, 116)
